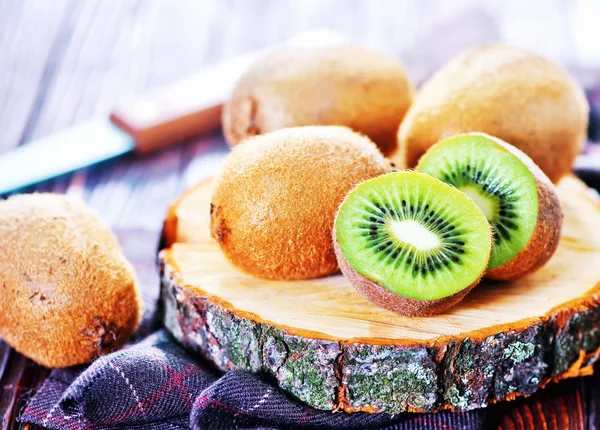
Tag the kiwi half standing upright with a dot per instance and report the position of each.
(516, 197)
(275, 198)
(411, 243)
(337, 85)
(507, 92)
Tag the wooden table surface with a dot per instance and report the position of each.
(64, 61)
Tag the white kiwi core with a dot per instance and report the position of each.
(413, 233)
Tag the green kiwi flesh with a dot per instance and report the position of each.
(412, 235)
(497, 180)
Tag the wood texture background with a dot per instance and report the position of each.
(64, 61)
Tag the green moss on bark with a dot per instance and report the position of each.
(303, 367)
(519, 351)
(389, 379)
(239, 338)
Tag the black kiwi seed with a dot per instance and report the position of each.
(403, 202)
(408, 260)
(455, 258)
(425, 219)
(416, 268)
(459, 242)
(437, 265)
(431, 213)
(373, 227)
(502, 231)
(372, 219)
(394, 255)
(373, 233)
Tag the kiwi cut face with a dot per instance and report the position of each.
(497, 180)
(413, 235)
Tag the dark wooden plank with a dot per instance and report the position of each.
(19, 381)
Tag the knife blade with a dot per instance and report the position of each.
(79, 146)
(151, 121)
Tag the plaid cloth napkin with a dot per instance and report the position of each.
(154, 384)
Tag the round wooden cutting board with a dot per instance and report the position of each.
(329, 347)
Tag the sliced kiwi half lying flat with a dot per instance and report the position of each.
(411, 243)
(517, 198)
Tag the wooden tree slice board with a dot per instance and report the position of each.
(329, 347)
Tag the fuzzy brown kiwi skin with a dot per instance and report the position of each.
(341, 85)
(394, 302)
(274, 202)
(507, 92)
(546, 234)
(68, 293)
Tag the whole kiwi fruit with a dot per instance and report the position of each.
(340, 85)
(507, 92)
(275, 198)
(68, 294)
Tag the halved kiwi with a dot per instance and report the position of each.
(516, 197)
(411, 243)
